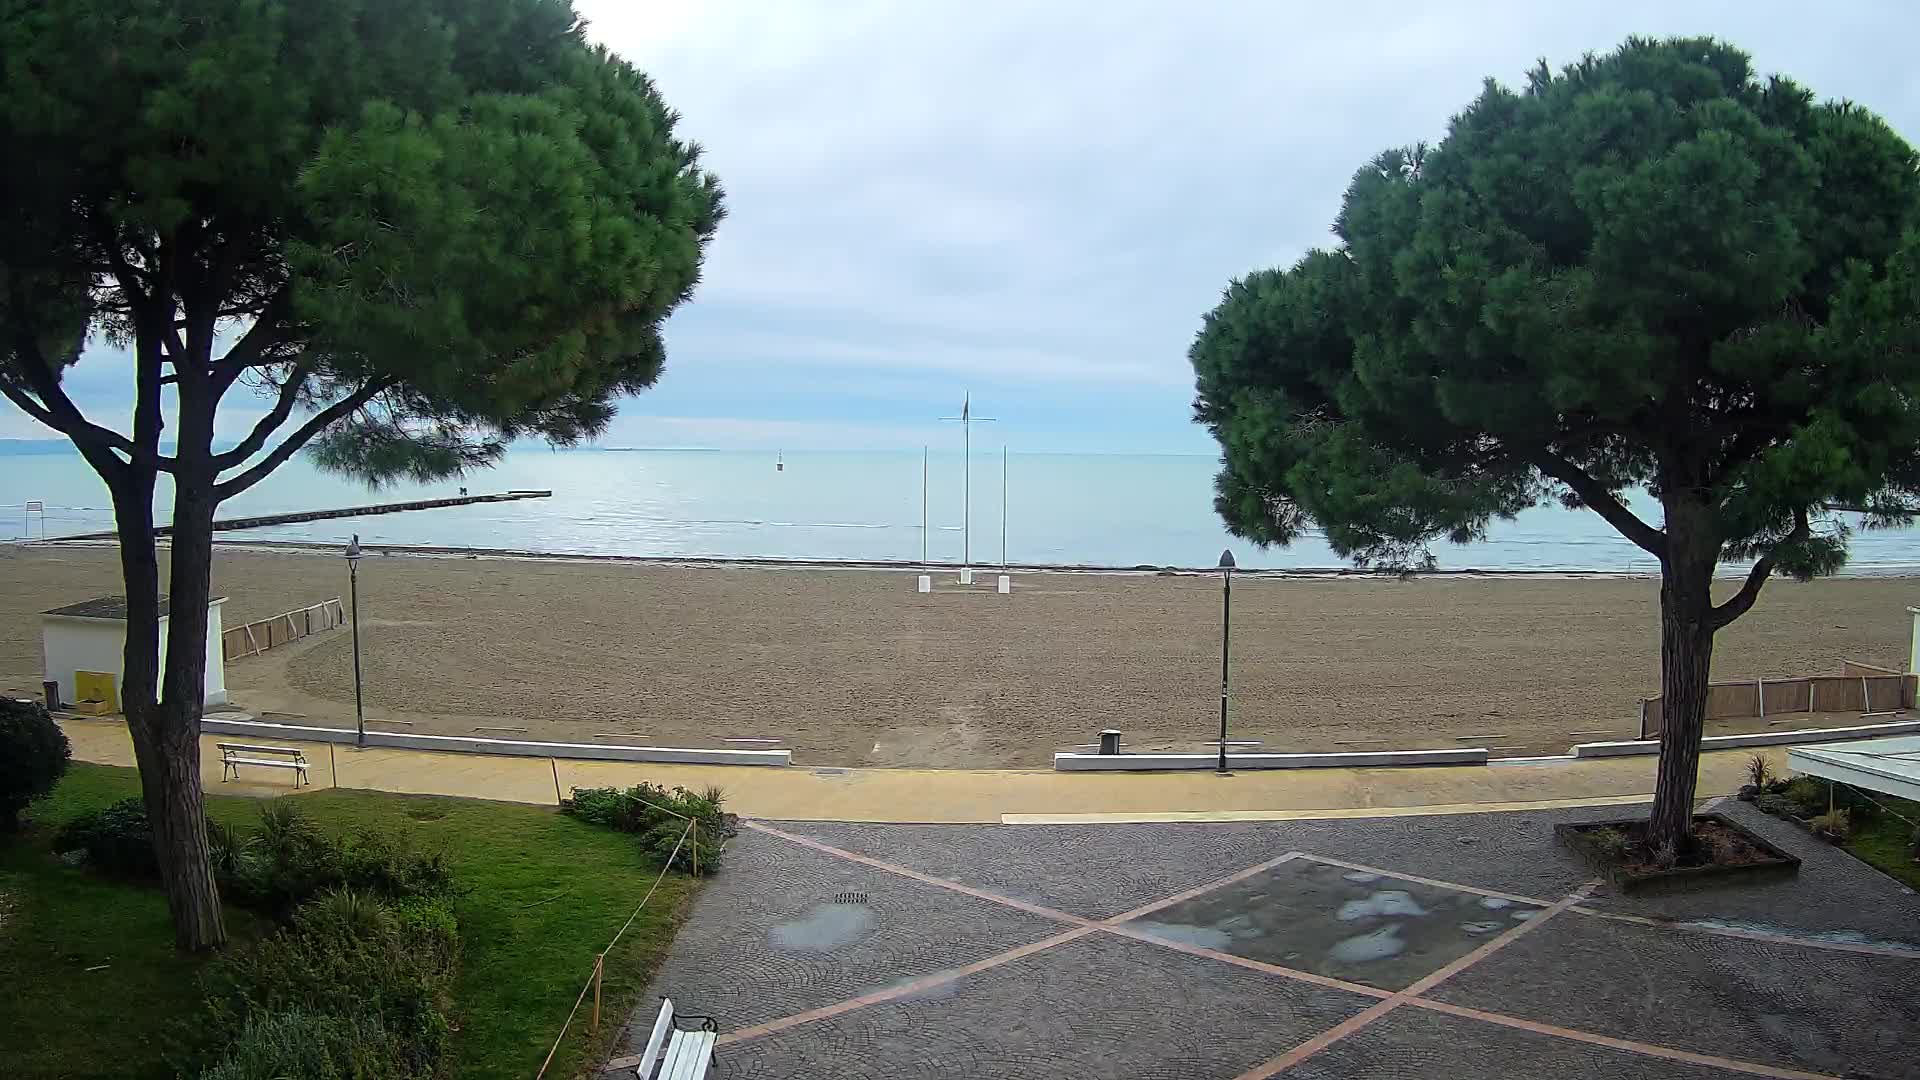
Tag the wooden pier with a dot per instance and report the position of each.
(265, 520)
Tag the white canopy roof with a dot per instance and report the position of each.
(1890, 766)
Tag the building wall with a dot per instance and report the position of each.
(68, 645)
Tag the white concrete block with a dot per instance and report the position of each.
(1006, 584)
(509, 747)
(1071, 762)
(926, 582)
(966, 575)
(1758, 738)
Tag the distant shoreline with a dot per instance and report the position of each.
(434, 551)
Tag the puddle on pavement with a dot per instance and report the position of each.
(1841, 937)
(1362, 927)
(827, 927)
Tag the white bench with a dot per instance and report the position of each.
(234, 755)
(688, 1053)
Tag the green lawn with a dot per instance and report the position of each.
(540, 895)
(1885, 841)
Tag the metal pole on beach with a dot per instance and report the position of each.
(923, 506)
(1003, 506)
(966, 484)
(1226, 642)
(353, 590)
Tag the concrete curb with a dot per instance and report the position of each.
(1761, 738)
(1070, 762)
(511, 747)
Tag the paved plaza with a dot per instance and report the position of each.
(1461, 946)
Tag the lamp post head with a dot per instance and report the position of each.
(353, 550)
(1226, 559)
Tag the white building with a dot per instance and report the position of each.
(92, 637)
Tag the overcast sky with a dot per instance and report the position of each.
(1037, 202)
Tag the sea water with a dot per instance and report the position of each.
(1114, 510)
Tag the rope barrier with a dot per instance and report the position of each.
(593, 980)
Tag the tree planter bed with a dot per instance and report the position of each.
(1754, 858)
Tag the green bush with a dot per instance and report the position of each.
(116, 840)
(288, 860)
(1835, 825)
(657, 815)
(1609, 844)
(33, 757)
(311, 1046)
(1808, 795)
(351, 957)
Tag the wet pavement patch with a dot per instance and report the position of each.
(825, 928)
(1361, 927)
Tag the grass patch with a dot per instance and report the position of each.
(1886, 842)
(540, 894)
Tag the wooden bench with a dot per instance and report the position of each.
(234, 755)
(689, 1053)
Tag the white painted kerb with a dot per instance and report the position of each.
(1070, 762)
(1759, 738)
(510, 747)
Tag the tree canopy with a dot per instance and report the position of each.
(1651, 269)
(432, 226)
(401, 234)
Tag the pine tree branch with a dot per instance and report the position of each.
(1741, 602)
(268, 424)
(1602, 502)
(57, 411)
(315, 424)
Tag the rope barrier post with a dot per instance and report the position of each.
(693, 829)
(599, 967)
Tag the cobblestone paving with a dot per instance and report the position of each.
(1027, 956)
(1783, 1005)
(1413, 1044)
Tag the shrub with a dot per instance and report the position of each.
(1808, 795)
(115, 839)
(1775, 804)
(33, 757)
(1913, 844)
(1759, 771)
(1832, 825)
(352, 957)
(289, 860)
(1608, 843)
(658, 816)
(313, 1046)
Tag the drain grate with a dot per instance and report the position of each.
(850, 898)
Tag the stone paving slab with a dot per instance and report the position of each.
(766, 938)
(1785, 1005)
(1099, 1006)
(1415, 1044)
(1345, 924)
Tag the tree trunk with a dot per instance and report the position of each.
(1686, 661)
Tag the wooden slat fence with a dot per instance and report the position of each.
(1863, 688)
(257, 637)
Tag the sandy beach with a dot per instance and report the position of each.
(852, 667)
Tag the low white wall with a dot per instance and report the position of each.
(1759, 738)
(1068, 762)
(512, 747)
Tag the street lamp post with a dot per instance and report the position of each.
(353, 591)
(1226, 641)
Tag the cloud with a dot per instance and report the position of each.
(1038, 202)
